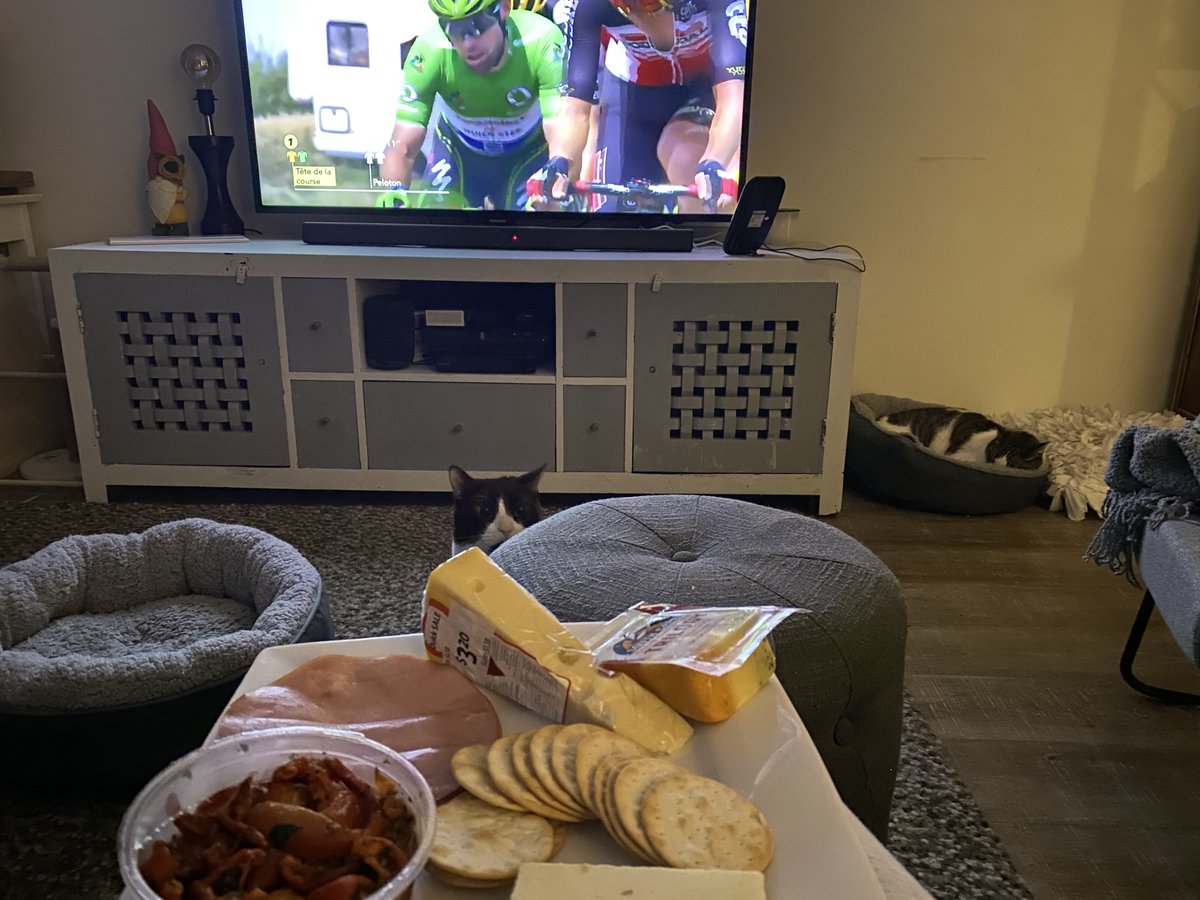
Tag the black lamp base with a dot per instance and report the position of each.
(213, 152)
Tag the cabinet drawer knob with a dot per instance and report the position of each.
(592, 332)
(314, 326)
(457, 429)
(594, 427)
(323, 421)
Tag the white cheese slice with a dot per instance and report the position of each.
(582, 881)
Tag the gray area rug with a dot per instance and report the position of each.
(374, 560)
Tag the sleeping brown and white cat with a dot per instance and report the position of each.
(488, 511)
(968, 436)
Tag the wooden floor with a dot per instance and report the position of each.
(1012, 656)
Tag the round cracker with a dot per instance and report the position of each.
(602, 777)
(540, 757)
(594, 749)
(612, 821)
(504, 776)
(523, 767)
(470, 768)
(695, 823)
(477, 840)
(562, 757)
(627, 794)
(462, 881)
(560, 837)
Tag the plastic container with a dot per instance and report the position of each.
(193, 778)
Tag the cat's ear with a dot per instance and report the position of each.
(459, 480)
(531, 479)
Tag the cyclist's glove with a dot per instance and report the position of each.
(714, 182)
(545, 183)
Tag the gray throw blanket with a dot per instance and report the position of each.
(1153, 475)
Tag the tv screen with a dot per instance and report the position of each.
(537, 108)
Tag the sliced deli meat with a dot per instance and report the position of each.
(424, 711)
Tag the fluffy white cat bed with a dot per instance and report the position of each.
(898, 470)
(1080, 441)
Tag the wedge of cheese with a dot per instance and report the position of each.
(706, 698)
(582, 881)
(480, 620)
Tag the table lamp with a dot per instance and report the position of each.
(212, 150)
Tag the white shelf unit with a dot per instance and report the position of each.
(30, 399)
(692, 373)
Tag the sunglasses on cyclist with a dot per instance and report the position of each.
(471, 26)
(625, 7)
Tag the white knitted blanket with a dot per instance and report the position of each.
(1080, 443)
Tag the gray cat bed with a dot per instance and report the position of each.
(897, 470)
(130, 645)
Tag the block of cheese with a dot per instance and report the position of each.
(477, 618)
(699, 695)
(582, 881)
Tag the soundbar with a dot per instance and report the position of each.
(497, 237)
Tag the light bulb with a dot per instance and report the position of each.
(201, 64)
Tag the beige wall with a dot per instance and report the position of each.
(1021, 175)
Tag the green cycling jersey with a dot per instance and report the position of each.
(493, 112)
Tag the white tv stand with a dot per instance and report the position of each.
(242, 365)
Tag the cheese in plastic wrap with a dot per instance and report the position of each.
(705, 662)
(480, 620)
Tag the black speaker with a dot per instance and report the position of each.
(388, 331)
(755, 214)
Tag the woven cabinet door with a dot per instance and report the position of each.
(184, 369)
(731, 377)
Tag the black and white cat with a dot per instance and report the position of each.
(488, 511)
(969, 436)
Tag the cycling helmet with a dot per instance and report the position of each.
(459, 9)
(531, 5)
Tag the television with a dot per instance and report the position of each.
(560, 113)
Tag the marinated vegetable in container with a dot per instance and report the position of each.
(313, 830)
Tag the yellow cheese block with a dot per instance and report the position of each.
(706, 698)
(583, 881)
(480, 620)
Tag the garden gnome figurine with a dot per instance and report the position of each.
(164, 167)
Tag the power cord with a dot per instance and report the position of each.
(859, 265)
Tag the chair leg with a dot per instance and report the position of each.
(1132, 643)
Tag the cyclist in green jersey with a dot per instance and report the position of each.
(496, 72)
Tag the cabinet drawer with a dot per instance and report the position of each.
(594, 333)
(593, 428)
(481, 427)
(316, 313)
(326, 424)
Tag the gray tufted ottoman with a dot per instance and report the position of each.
(842, 663)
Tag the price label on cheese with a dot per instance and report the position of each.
(469, 642)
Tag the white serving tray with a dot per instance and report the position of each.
(762, 751)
